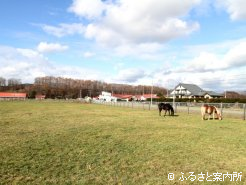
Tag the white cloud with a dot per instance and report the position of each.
(29, 53)
(217, 67)
(234, 57)
(87, 8)
(130, 75)
(135, 22)
(88, 54)
(140, 50)
(27, 64)
(64, 29)
(236, 8)
(45, 47)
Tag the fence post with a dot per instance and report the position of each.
(244, 111)
(188, 106)
(221, 109)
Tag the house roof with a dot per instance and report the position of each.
(122, 96)
(12, 95)
(197, 91)
(212, 93)
(194, 89)
(147, 96)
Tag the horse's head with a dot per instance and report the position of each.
(219, 115)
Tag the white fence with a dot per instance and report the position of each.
(237, 110)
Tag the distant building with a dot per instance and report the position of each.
(144, 97)
(12, 96)
(40, 97)
(107, 97)
(123, 97)
(183, 90)
(211, 94)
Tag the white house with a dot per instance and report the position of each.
(144, 97)
(106, 96)
(192, 91)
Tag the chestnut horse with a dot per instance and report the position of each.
(208, 109)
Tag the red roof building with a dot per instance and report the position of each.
(9, 95)
(126, 97)
(146, 96)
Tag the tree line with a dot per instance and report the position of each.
(62, 88)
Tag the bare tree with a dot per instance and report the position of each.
(2, 81)
(14, 82)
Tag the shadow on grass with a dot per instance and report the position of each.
(212, 119)
(170, 116)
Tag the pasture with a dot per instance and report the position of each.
(74, 143)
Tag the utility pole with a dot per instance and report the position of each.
(151, 94)
(167, 90)
(90, 92)
(174, 106)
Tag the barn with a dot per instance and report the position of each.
(12, 96)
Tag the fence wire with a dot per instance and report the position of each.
(235, 110)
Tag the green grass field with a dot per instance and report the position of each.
(73, 143)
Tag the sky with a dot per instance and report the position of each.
(140, 42)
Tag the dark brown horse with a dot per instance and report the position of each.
(166, 107)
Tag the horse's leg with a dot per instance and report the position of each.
(203, 112)
(165, 112)
(159, 112)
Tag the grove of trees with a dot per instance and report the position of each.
(59, 87)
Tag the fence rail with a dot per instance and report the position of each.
(237, 110)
